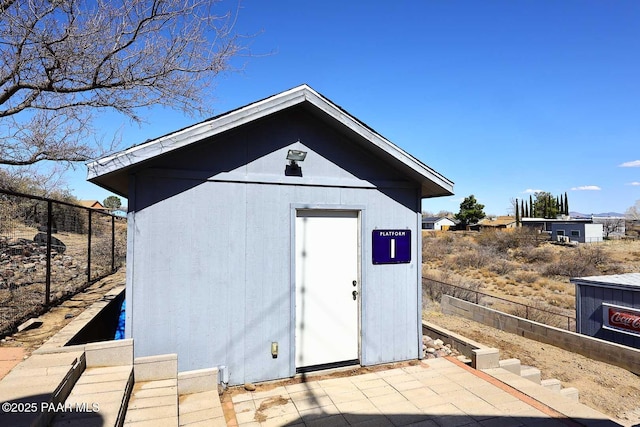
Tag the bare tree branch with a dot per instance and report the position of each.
(62, 60)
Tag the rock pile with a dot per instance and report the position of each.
(432, 349)
(23, 262)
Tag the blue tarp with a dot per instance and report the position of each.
(120, 329)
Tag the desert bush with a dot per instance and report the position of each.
(435, 247)
(474, 257)
(524, 276)
(587, 260)
(435, 284)
(503, 241)
(570, 268)
(593, 254)
(502, 267)
(531, 254)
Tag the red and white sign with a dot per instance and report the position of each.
(623, 319)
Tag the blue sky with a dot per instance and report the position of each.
(501, 97)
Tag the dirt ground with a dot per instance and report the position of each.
(59, 316)
(611, 390)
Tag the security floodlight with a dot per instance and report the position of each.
(293, 168)
(296, 156)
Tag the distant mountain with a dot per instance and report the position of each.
(578, 214)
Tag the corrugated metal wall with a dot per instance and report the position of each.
(211, 255)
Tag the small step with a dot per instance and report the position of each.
(199, 403)
(153, 403)
(571, 393)
(511, 365)
(200, 409)
(551, 384)
(98, 398)
(154, 400)
(531, 373)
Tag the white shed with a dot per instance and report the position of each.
(276, 238)
(437, 223)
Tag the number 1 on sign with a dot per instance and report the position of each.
(393, 248)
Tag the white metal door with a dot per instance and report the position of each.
(326, 288)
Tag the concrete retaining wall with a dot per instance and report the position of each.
(593, 348)
(462, 345)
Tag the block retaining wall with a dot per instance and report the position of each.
(593, 348)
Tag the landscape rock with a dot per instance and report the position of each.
(436, 348)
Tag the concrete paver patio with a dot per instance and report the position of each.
(437, 392)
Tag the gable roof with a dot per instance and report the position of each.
(93, 204)
(497, 222)
(434, 219)
(112, 171)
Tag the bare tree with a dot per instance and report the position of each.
(633, 213)
(63, 61)
(613, 226)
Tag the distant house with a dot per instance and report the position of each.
(437, 223)
(500, 222)
(544, 224)
(93, 204)
(576, 232)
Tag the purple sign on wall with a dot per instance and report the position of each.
(391, 246)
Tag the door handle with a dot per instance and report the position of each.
(355, 294)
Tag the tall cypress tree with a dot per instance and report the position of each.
(517, 213)
(566, 204)
(532, 207)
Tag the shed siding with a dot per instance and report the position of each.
(219, 303)
(591, 299)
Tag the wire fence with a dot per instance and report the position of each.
(434, 289)
(50, 250)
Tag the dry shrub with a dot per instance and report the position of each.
(524, 276)
(503, 241)
(502, 267)
(477, 257)
(434, 285)
(594, 254)
(585, 261)
(570, 269)
(531, 254)
(435, 247)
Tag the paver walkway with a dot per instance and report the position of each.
(437, 392)
(9, 358)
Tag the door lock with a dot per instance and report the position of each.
(355, 283)
(355, 294)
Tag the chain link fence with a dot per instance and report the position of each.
(50, 250)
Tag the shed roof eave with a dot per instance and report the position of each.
(175, 140)
(627, 281)
(102, 171)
